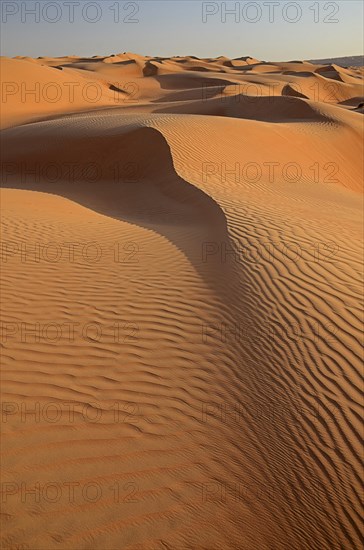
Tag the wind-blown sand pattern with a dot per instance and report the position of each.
(187, 373)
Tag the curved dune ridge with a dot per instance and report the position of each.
(182, 304)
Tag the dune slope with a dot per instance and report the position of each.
(182, 306)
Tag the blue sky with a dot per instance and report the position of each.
(263, 29)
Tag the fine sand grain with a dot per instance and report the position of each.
(181, 304)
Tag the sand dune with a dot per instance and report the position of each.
(181, 304)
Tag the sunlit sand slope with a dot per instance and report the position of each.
(181, 307)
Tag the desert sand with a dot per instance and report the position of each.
(181, 304)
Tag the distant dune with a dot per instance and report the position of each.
(350, 61)
(181, 303)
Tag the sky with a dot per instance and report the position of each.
(267, 30)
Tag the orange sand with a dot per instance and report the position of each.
(181, 291)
